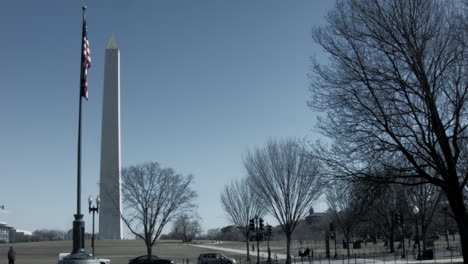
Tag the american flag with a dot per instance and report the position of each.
(85, 62)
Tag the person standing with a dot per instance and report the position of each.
(11, 256)
(302, 253)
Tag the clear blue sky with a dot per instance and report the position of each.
(201, 83)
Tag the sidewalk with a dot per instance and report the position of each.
(325, 261)
(241, 251)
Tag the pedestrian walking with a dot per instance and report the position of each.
(11, 256)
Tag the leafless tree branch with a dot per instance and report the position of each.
(286, 180)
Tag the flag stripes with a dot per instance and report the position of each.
(85, 62)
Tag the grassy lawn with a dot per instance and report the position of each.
(120, 251)
(117, 251)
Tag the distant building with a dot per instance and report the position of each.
(4, 232)
(316, 220)
(69, 235)
(17, 235)
(9, 234)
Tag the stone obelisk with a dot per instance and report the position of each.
(110, 224)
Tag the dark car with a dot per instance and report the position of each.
(214, 258)
(150, 259)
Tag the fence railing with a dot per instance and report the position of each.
(370, 255)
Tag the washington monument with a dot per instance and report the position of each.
(110, 224)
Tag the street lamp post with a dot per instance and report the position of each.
(415, 212)
(93, 209)
(333, 237)
(445, 209)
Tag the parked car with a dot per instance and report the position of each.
(150, 259)
(63, 255)
(104, 261)
(215, 258)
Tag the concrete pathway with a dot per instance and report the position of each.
(241, 251)
(264, 255)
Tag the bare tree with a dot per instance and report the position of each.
(389, 201)
(186, 227)
(427, 198)
(213, 233)
(49, 235)
(395, 93)
(286, 180)
(241, 204)
(154, 196)
(347, 202)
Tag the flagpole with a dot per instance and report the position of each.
(78, 199)
(78, 224)
(78, 255)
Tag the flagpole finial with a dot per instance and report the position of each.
(84, 12)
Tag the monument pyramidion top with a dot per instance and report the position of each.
(112, 44)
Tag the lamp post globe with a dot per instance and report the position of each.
(415, 210)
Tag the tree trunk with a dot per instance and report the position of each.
(149, 248)
(288, 248)
(424, 228)
(347, 246)
(423, 236)
(461, 217)
(248, 249)
(392, 239)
